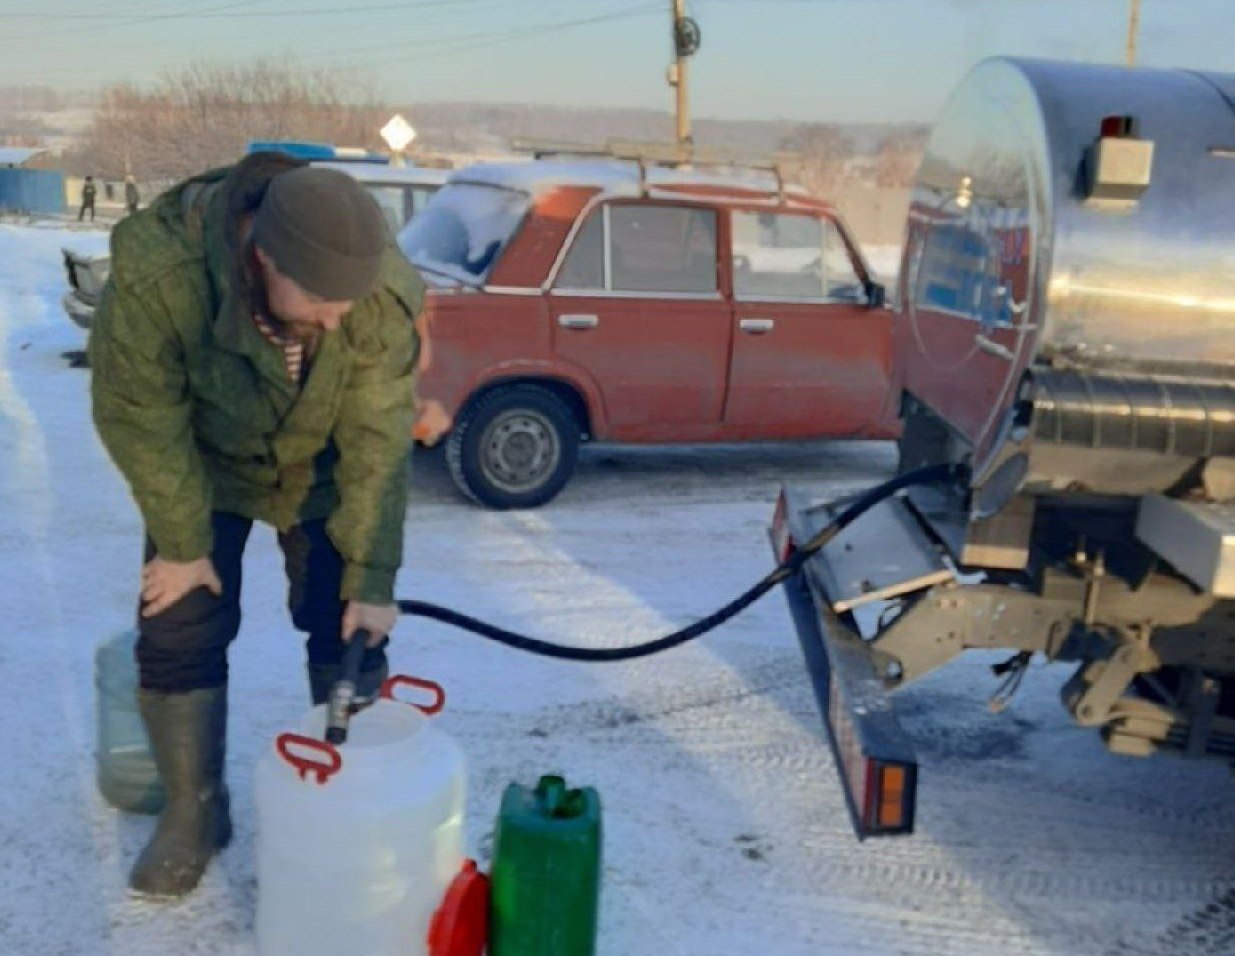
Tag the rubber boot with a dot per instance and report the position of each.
(322, 677)
(188, 739)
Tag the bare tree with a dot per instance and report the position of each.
(205, 114)
(899, 155)
(20, 99)
(818, 156)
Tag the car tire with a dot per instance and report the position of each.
(515, 447)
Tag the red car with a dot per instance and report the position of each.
(607, 301)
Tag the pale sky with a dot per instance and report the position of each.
(847, 60)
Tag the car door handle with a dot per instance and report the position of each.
(756, 326)
(578, 321)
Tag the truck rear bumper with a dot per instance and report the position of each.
(874, 756)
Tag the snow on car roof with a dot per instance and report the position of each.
(621, 177)
(537, 176)
(395, 175)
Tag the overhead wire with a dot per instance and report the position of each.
(207, 14)
(135, 20)
(447, 45)
(424, 49)
(228, 11)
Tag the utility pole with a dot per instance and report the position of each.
(685, 44)
(1134, 28)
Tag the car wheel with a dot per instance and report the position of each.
(514, 448)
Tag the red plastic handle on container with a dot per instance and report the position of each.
(402, 680)
(306, 765)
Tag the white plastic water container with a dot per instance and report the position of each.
(357, 844)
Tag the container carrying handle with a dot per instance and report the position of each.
(307, 764)
(402, 680)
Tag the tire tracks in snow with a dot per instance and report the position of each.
(714, 723)
(28, 488)
(1208, 931)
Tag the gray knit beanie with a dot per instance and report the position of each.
(323, 230)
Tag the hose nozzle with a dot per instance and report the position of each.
(341, 704)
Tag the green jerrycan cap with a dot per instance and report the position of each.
(460, 927)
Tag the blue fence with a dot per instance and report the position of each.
(31, 191)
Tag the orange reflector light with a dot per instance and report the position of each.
(891, 797)
(884, 798)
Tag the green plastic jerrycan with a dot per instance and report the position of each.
(124, 765)
(546, 871)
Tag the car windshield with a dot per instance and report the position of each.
(399, 202)
(463, 229)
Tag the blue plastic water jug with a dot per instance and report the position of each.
(125, 767)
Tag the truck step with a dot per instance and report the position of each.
(1197, 538)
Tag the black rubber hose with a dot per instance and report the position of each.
(931, 474)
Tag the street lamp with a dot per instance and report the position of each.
(398, 135)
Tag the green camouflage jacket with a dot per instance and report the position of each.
(196, 408)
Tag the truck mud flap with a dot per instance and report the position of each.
(874, 755)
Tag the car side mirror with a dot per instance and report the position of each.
(876, 295)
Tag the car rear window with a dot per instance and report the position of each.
(662, 248)
(644, 248)
(463, 229)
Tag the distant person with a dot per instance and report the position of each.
(132, 198)
(87, 199)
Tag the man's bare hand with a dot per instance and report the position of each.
(166, 582)
(377, 619)
(432, 422)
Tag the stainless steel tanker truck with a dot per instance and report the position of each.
(1065, 341)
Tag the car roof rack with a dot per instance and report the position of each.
(682, 156)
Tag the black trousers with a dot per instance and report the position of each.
(185, 647)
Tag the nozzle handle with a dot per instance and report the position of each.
(343, 694)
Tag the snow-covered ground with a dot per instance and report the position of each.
(726, 833)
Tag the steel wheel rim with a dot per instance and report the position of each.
(519, 450)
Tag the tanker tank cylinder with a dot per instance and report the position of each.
(1067, 304)
(1000, 485)
(1008, 466)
